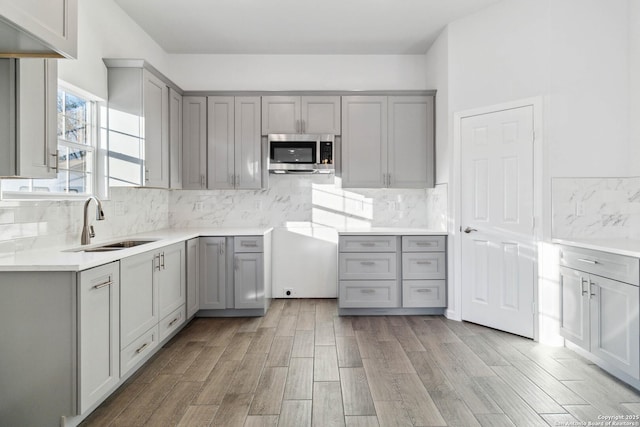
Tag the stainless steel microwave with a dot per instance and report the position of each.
(311, 153)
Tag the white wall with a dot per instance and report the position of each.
(437, 70)
(575, 55)
(298, 72)
(106, 31)
(634, 87)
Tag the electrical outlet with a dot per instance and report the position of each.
(288, 292)
(198, 207)
(579, 208)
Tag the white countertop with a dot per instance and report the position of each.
(628, 247)
(64, 259)
(390, 231)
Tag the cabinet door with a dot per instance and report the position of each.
(364, 141)
(248, 280)
(98, 333)
(171, 279)
(36, 118)
(138, 296)
(281, 114)
(175, 139)
(321, 114)
(213, 273)
(574, 316)
(156, 131)
(614, 324)
(194, 142)
(193, 275)
(220, 141)
(411, 146)
(46, 26)
(248, 158)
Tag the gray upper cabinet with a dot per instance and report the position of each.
(364, 141)
(411, 142)
(301, 114)
(175, 139)
(194, 142)
(156, 131)
(39, 27)
(28, 117)
(138, 123)
(221, 141)
(387, 141)
(234, 143)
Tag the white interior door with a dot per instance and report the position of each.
(498, 251)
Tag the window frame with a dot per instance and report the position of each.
(98, 148)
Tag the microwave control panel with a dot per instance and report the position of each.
(326, 153)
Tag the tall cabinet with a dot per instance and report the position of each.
(387, 141)
(234, 143)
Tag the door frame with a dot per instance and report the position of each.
(455, 203)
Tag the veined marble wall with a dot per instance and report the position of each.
(317, 199)
(596, 207)
(50, 223)
(290, 200)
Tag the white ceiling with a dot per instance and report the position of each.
(297, 26)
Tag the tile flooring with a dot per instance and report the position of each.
(303, 365)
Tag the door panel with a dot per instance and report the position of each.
(498, 251)
(247, 143)
(213, 273)
(574, 318)
(220, 141)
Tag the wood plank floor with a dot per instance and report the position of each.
(303, 365)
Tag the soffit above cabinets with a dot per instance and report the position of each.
(297, 26)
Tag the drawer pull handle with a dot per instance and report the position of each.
(423, 291)
(588, 261)
(367, 244)
(423, 262)
(249, 244)
(102, 285)
(141, 349)
(367, 263)
(368, 291)
(582, 289)
(173, 322)
(423, 243)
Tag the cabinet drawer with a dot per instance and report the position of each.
(247, 244)
(138, 350)
(423, 265)
(371, 266)
(172, 322)
(368, 243)
(424, 293)
(368, 294)
(618, 267)
(423, 243)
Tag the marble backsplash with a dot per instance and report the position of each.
(304, 199)
(26, 224)
(596, 207)
(290, 200)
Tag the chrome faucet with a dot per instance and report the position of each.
(87, 230)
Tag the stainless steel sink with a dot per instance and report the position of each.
(116, 246)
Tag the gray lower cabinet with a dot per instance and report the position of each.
(235, 274)
(98, 333)
(193, 276)
(152, 301)
(60, 343)
(213, 273)
(395, 272)
(598, 313)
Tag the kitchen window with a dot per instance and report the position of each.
(78, 137)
